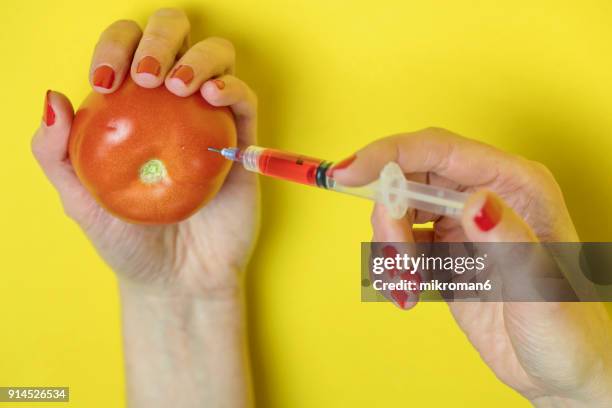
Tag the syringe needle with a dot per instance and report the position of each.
(230, 153)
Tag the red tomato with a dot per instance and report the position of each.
(142, 153)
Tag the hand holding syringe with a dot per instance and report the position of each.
(391, 189)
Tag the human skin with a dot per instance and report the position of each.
(554, 354)
(180, 285)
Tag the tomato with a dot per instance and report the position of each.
(142, 153)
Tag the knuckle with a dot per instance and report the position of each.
(111, 45)
(541, 169)
(254, 99)
(121, 26)
(174, 14)
(201, 51)
(71, 210)
(444, 134)
(373, 218)
(246, 95)
(214, 47)
(37, 148)
(436, 130)
(224, 43)
(170, 12)
(439, 133)
(119, 33)
(159, 39)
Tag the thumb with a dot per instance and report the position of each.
(486, 218)
(50, 142)
(50, 148)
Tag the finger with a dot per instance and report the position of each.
(163, 37)
(207, 59)
(50, 148)
(228, 90)
(387, 229)
(486, 218)
(423, 235)
(50, 142)
(456, 158)
(113, 55)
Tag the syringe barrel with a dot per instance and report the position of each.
(422, 197)
(391, 189)
(286, 166)
(398, 195)
(436, 200)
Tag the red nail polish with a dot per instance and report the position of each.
(184, 73)
(341, 165)
(489, 215)
(103, 77)
(148, 65)
(48, 112)
(400, 297)
(219, 83)
(389, 251)
(412, 277)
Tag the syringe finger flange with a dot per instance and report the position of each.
(391, 181)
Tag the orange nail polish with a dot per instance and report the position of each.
(219, 83)
(48, 112)
(148, 65)
(489, 215)
(184, 73)
(103, 77)
(343, 164)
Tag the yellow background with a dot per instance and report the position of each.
(530, 76)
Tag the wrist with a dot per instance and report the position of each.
(553, 402)
(596, 396)
(176, 342)
(201, 287)
(560, 402)
(171, 311)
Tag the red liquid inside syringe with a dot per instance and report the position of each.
(289, 166)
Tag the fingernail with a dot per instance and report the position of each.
(343, 164)
(219, 83)
(103, 77)
(489, 215)
(412, 277)
(389, 251)
(184, 73)
(148, 65)
(48, 112)
(400, 297)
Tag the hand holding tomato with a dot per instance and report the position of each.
(204, 253)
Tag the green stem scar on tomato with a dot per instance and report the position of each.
(153, 172)
(143, 153)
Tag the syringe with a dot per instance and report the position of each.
(391, 189)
